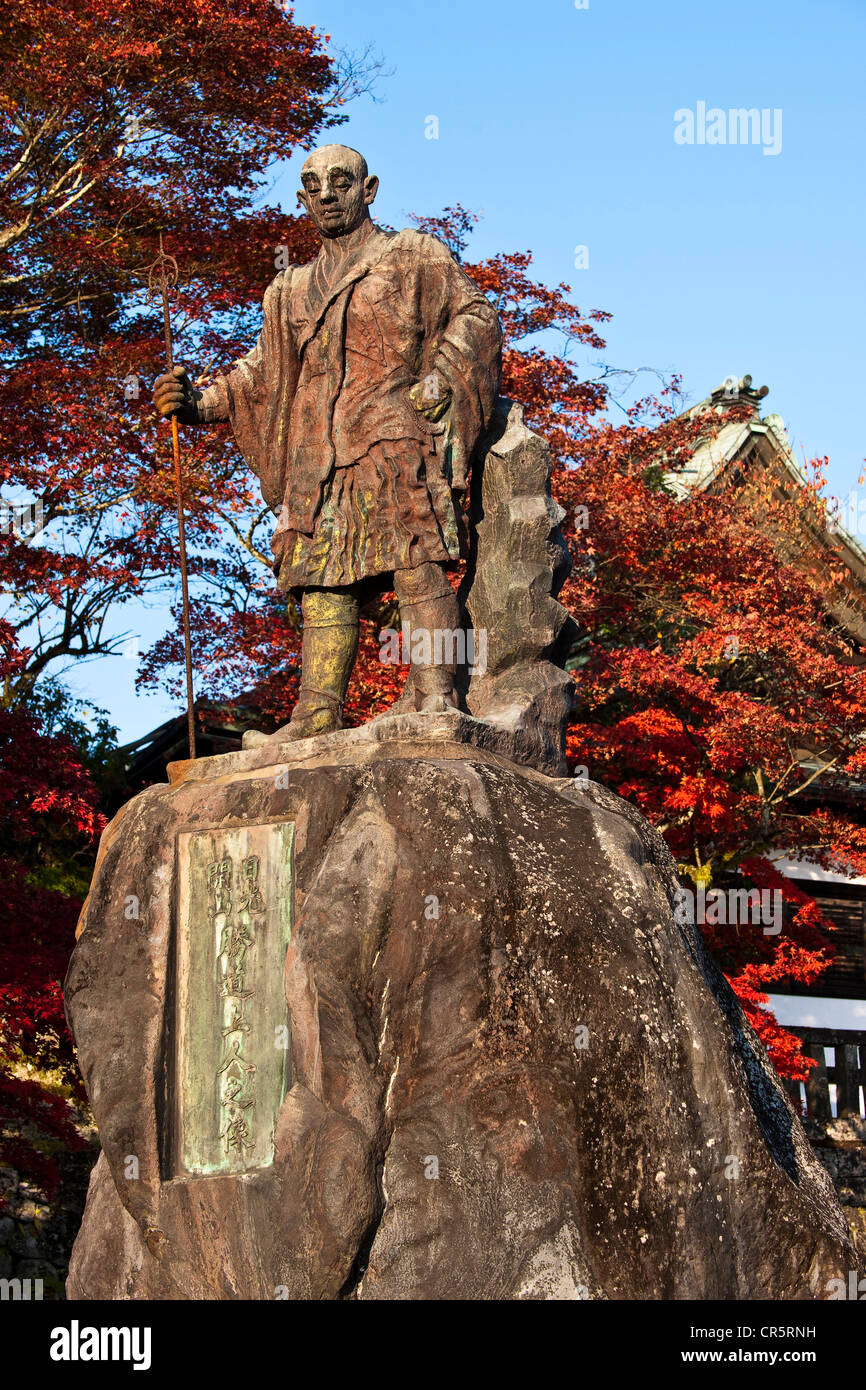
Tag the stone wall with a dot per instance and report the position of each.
(841, 1147)
(36, 1236)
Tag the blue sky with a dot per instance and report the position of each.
(557, 125)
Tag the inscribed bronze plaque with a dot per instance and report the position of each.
(234, 918)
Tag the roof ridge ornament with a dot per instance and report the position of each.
(738, 388)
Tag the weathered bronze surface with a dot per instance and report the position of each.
(360, 409)
(234, 906)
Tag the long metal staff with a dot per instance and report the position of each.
(161, 278)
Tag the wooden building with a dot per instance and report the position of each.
(746, 455)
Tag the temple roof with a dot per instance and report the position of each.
(730, 448)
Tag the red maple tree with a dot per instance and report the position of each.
(49, 821)
(715, 692)
(120, 121)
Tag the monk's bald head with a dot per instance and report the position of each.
(334, 157)
(337, 189)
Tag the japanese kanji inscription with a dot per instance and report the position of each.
(231, 1057)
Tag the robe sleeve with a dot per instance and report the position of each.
(256, 395)
(468, 354)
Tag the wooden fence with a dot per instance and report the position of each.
(847, 1072)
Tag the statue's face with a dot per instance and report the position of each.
(336, 191)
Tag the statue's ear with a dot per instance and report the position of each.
(371, 188)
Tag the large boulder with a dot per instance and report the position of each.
(512, 1073)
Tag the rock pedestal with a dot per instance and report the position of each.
(495, 1067)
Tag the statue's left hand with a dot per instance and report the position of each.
(431, 397)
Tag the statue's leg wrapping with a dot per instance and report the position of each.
(429, 604)
(329, 648)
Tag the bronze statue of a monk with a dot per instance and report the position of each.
(359, 409)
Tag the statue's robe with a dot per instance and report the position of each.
(361, 482)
